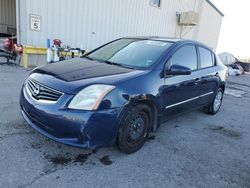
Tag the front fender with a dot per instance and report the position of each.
(119, 98)
(125, 101)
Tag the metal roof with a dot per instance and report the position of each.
(218, 10)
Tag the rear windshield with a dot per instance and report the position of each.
(134, 53)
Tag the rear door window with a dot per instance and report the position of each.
(206, 58)
(185, 56)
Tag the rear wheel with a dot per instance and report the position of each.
(134, 128)
(215, 105)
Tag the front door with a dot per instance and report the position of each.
(180, 92)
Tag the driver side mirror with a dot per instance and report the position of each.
(178, 70)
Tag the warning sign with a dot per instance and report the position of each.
(35, 22)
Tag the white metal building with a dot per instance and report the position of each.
(90, 23)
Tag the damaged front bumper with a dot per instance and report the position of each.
(85, 129)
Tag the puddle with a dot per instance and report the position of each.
(226, 132)
(64, 160)
(58, 160)
(81, 158)
(106, 160)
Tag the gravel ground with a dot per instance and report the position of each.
(194, 150)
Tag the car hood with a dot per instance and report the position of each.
(71, 76)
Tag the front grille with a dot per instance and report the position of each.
(41, 92)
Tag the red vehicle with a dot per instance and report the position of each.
(7, 42)
(8, 46)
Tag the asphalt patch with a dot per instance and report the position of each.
(226, 132)
(238, 93)
(105, 160)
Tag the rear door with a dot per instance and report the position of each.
(208, 75)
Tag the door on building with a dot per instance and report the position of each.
(8, 17)
(8, 31)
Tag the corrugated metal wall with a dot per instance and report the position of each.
(7, 15)
(93, 22)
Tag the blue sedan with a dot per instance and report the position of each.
(120, 92)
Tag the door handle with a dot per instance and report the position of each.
(204, 79)
(197, 81)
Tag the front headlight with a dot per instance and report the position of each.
(90, 97)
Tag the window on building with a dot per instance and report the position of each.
(156, 3)
(185, 56)
(206, 58)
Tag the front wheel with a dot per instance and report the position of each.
(215, 105)
(134, 128)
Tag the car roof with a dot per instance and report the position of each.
(169, 39)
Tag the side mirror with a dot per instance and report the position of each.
(178, 70)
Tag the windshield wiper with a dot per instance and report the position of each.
(118, 64)
(87, 57)
(110, 62)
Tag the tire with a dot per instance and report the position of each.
(214, 107)
(134, 128)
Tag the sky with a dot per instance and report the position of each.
(235, 30)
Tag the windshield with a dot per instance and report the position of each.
(135, 53)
